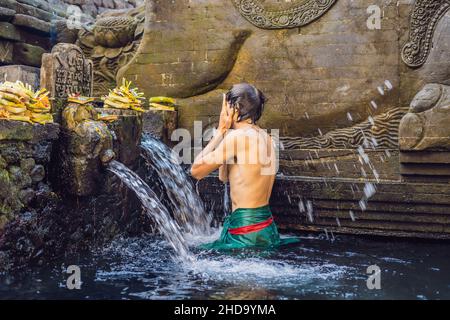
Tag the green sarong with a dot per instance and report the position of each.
(246, 228)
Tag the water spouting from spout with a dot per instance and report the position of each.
(154, 209)
(187, 206)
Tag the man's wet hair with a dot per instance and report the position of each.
(248, 100)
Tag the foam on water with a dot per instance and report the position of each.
(138, 257)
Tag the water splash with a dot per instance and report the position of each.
(187, 206)
(154, 209)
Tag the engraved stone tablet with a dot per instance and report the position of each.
(65, 71)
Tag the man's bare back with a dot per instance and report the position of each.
(251, 174)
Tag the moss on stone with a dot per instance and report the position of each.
(3, 163)
(15, 130)
(4, 183)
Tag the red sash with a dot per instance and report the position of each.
(251, 228)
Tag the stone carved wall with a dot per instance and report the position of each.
(25, 29)
(299, 14)
(29, 28)
(111, 44)
(164, 65)
(194, 52)
(379, 132)
(424, 18)
(425, 127)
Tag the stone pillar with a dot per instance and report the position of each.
(160, 124)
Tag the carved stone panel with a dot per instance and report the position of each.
(424, 18)
(425, 127)
(66, 70)
(301, 13)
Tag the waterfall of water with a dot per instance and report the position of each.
(154, 209)
(188, 207)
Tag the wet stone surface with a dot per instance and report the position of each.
(22, 164)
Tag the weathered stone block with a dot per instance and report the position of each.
(6, 14)
(6, 53)
(22, 161)
(44, 5)
(9, 31)
(22, 131)
(127, 133)
(26, 74)
(160, 124)
(32, 23)
(10, 4)
(33, 11)
(28, 54)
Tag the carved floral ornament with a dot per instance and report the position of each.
(300, 14)
(424, 18)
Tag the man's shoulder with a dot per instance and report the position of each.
(246, 132)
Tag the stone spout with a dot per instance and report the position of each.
(85, 142)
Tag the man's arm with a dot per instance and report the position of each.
(219, 150)
(215, 155)
(223, 173)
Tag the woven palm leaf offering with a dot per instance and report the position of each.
(162, 103)
(125, 97)
(19, 102)
(13, 99)
(78, 99)
(39, 107)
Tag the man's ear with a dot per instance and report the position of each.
(236, 116)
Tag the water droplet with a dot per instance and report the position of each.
(369, 190)
(352, 215)
(349, 116)
(380, 90)
(309, 212)
(363, 205)
(388, 85)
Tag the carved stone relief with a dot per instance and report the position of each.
(379, 132)
(424, 18)
(299, 14)
(425, 127)
(111, 44)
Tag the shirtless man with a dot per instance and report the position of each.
(245, 155)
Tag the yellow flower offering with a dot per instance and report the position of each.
(125, 97)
